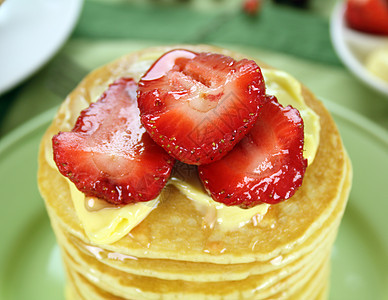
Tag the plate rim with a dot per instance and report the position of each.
(378, 132)
(16, 134)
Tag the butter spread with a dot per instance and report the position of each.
(377, 62)
(226, 217)
(288, 91)
(105, 224)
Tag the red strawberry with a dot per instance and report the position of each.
(370, 16)
(266, 166)
(199, 105)
(109, 154)
(251, 7)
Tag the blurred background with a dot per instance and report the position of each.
(48, 46)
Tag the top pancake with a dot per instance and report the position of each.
(174, 229)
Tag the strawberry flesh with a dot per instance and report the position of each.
(109, 154)
(369, 16)
(198, 106)
(266, 166)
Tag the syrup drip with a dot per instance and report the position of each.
(102, 254)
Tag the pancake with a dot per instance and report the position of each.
(175, 270)
(125, 286)
(275, 286)
(170, 254)
(311, 286)
(268, 280)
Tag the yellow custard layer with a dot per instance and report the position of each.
(377, 62)
(105, 223)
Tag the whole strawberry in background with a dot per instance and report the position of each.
(369, 16)
(252, 7)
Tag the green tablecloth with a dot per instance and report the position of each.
(295, 40)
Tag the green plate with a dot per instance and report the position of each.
(30, 264)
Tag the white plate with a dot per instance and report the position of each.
(352, 48)
(31, 32)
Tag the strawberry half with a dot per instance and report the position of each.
(266, 166)
(370, 16)
(109, 154)
(198, 106)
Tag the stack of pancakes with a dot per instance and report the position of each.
(284, 254)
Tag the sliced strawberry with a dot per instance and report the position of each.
(109, 154)
(370, 16)
(199, 105)
(266, 166)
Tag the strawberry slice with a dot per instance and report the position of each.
(267, 166)
(199, 105)
(109, 154)
(370, 16)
